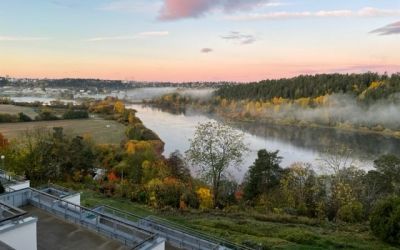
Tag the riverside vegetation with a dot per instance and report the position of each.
(292, 208)
(364, 102)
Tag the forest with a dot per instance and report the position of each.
(312, 86)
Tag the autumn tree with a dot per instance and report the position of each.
(214, 148)
(3, 141)
(295, 185)
(178, 166)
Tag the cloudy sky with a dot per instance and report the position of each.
(205, 40)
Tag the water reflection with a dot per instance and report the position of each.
(364, 146)
(294, 143)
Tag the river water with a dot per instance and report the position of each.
(295, 144)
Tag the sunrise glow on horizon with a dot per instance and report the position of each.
(197, 40)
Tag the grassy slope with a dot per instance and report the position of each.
(270, 231)
(97, 128)
(13, 110)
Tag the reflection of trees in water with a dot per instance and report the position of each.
(179, 110)
(363, 145)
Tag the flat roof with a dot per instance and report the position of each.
(54, 233)
(9, 213)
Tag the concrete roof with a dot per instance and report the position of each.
(53, 233)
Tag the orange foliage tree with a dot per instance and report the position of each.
(3, 141)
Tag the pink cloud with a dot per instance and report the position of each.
(180, 9)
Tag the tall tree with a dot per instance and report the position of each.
(214, 148)
(389, 166)
(264, 174)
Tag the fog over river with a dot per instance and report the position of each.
(295, 144)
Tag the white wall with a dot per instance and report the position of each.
(22, 236)
(75, 198)
(158, 245)
(19, 186)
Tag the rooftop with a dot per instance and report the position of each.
(9, 213)
(53, 233)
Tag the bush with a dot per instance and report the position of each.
(385, 220)
(8, 118)
(76, 114)
(190, 199)
(46, 115)
(351, 212)
(24, 118)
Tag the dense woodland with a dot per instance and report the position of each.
(315, 85)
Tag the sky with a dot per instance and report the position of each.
(197, 40)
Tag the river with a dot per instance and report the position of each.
(295, 144)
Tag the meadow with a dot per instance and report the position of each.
(256, 230)
(100, 130)
(14, 110)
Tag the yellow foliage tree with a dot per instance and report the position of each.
(119, 107)
(132, 146)
(205, 198)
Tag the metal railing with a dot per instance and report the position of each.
(10, 214)
(180, 235)
(111, 227)
(196, 233)
(134, 230)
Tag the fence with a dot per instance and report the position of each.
(112, 227)
(131, 229)
(176, 234)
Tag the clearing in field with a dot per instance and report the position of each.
(102, 131)
(14, 110)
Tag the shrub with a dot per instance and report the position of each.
(385, 220)
(190, 199)
(46, 115)
(76, 114)
(8, 118)
(24, 118)
(351, 212)
(205, 197)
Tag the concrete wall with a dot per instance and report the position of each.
(16, 199)
(160, 246)
(19, 186)
(74, 198)
(20, 236)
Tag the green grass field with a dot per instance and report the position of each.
(264, 231)
(13, 110)
(102, 131)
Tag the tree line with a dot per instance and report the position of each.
(304, 86)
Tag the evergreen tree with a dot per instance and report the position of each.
(263, 175)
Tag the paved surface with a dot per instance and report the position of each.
(54, 233)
